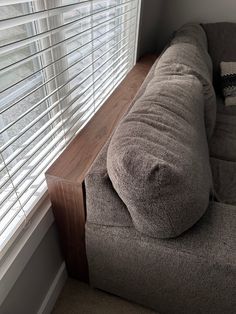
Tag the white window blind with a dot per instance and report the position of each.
(59, 61)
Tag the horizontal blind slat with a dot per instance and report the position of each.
(39, 170)
(22, 42)
(65, 89)
(16, 184)
(31, 17)
(44, 67)
(61, 72)
(42, 51)
(51, 94)
(59, 114)
(11, 2)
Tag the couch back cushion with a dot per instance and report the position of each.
(222, 46)
(191, 33)
(158, 159)
(187, 59)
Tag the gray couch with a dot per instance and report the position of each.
(161, 195)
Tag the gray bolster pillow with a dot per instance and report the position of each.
(158, 159)
(186, 59)
(191, 33)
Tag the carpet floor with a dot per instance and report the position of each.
(79, 298)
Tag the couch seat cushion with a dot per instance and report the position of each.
(158, 158)
(193, 274)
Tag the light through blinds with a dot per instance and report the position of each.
(59, 61)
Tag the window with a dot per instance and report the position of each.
(59, 62)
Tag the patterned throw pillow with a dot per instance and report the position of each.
(228, 78)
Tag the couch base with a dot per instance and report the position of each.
(195, 273)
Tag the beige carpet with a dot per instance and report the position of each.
(79, 298)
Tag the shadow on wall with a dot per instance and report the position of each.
(174, 13)
(160, 18)
(150, 24)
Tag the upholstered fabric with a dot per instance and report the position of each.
(222, 109)
(104, 205)
(224, 175)
(191, 34)
(228, 82)
(194, 273)
(221, 42)
(223, 142)
(187, 59)
(158, 159)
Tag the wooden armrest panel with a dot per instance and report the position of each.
(65, 178)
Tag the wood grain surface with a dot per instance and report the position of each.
(65, 178)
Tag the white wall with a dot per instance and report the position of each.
(150, 21)
(177, 12)
(31, 287)
(36, 284)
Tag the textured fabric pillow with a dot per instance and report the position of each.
(228, 81)
(191, 33)
(158, 158)
(187, 59)
(221, 43)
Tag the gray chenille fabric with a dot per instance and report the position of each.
(223, 141)
(222, 109)
(223, 153)
(104, 206)
(191, 34)
(158, 159)
(221, 45)
(187, 59)
(224, 175)
(194, 273)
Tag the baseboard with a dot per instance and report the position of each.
(54, 291)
